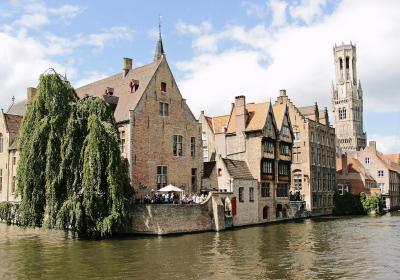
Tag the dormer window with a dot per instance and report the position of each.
(163, 87)
(134, 85)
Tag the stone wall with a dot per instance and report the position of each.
(178, 218)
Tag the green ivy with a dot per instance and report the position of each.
(371, 203)
(70, 173)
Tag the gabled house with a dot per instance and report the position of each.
(160, 137)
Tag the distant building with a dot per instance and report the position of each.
(313, 161)
(384, 171)
(347, 100)
(10, 123)
(160, 137)
(261, 137)
(213, 135)
(352, 177)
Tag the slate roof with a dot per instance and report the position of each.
(257, 116)
(13, 124)
(18, 108)
(238, 169)
(127, 100)
(208, 168)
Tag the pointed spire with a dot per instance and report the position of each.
(159, 47)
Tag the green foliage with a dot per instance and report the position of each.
(372, 203)
(70, 173)
(347, 204)
(8, 212)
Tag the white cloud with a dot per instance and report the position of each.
(307, 10)
(67, 11)
(90, 78)
(262, 59)
(185, 28)
(32, 20)
(278, 9)
(386, 143)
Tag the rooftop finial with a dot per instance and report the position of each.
(159, 48)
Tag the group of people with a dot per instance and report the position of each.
(173, 198)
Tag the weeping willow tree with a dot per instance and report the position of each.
(70, 174)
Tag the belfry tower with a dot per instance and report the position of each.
(347, 100)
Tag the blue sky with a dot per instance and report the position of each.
(216, 49)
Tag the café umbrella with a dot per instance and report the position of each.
(170, 188)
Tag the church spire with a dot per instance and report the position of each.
(159, 47)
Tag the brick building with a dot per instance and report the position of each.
(354, 178)
(261, 137)
(313, 162)
(160, 137)
(384, 171)
(9, 154)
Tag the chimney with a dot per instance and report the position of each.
(30, 92)
(241, 114)
(372, 145)
(127, 66)
(344, 164)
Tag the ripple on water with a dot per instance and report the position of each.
(347, 248)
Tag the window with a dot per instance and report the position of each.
(367, 160)
(177, 146)
(219, 172)
(285, 130)
(122, 143)
(161, 176)
(193, 147)
(268, 147)
(264, 189)
(265, 212)
(194, 179)
(285, 149)
(380, 173)
(204, 136)
(342, 113)
(347, 62)
(283, 168)
(1, 180)
(13, 185)
(342, 189)
(241, 199)
(164, 109)
(381, 186)
(205, 152)
(297, 180)
(341, 63)
(297, 136)
(14, 160)
(282, 190)
(251, 194)
(267, 167)
(163, 87)
(1, 143)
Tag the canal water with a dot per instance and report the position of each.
(324, 248)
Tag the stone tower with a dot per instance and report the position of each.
(347, 100)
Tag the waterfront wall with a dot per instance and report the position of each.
(178, 218)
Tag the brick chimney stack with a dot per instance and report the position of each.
(344, 164)
(30, 92)
(241, 113)
(127, 66)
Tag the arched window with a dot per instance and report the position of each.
(265, 212)
(297, 179)
(1, 143)
(341, 63)
(347, 62)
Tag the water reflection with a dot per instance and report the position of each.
(326, 248)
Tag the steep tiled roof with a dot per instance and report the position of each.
(257, 116)
(18, 108)
(386, 162)
(13, 124)
(393, 158)
(307, 110)
(357, 166)
(208, 167)
(238, 169)
(127, 100)
(279, 114)
(219, 123)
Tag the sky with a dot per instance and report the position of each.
(216, 49)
